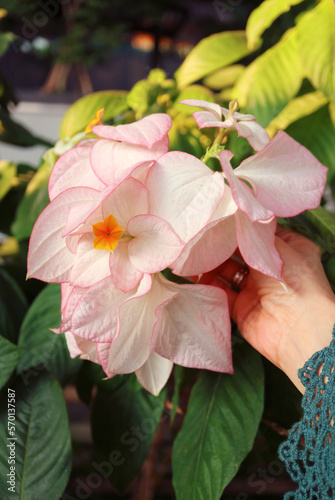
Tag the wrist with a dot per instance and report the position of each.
(304, 342)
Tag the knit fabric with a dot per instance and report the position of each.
(309, 452)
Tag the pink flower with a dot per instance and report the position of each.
(107, 234)
(246, 125)
(148, 329)
(281, 180)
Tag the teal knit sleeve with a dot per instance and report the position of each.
(309, 452)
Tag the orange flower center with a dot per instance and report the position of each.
(107, 234)
(95, 121)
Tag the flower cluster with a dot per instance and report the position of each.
(122, 209)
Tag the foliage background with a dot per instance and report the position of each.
(281, 68)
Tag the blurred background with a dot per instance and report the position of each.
(62, 49)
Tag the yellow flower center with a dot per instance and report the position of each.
(107, 234)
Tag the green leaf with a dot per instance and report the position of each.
(13, 307)
(8, 360)
(143, 95)
(43, 444)
(317, 133)
(83, 111)
(297, 108)
(7, 175)
(261, 18)
(224, 77)
(221, 422)
(183, 378)
(36, 340)
(60, 363)
(35, 199)
(5, 40)
(14, 133)
(124, 420)
(211, 54)
(316, 38)
(324, 221)
(271, 81)
(192, 92)
(186, 139)
(40, 347)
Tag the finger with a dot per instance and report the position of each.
(298, 242)
(228, 271)
(212, 279)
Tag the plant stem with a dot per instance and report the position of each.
(217, 141)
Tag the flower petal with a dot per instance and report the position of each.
(155, 372)
(206, 119)
(131, 349)
(73, 295)
(124, 274)
(80, 347)
(154, 246)
(194, 328)
(242, 194)
(145, 132)
(73, 169)
(210, 107)
(256, 242)
(114, 161)
(96, 316)
(287, 178)
(49, 259)
(212, 246)
(90, 265)
(256, 135)
(128, 199)
(184, 192)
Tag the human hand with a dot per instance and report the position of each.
(287, 325)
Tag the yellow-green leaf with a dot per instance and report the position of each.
(83, 111)
(211, 54)
(7, 176)
(296, 109)
(224, 77)
(271, 81)
(316, 41)
(261, 18)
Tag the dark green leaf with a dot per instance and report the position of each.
(8, 360)
(40, 347)
(14, 133)
(124, 420)
(222, 419)
(324, 221)
(13, 307)
(43, 444)
(317, 133)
